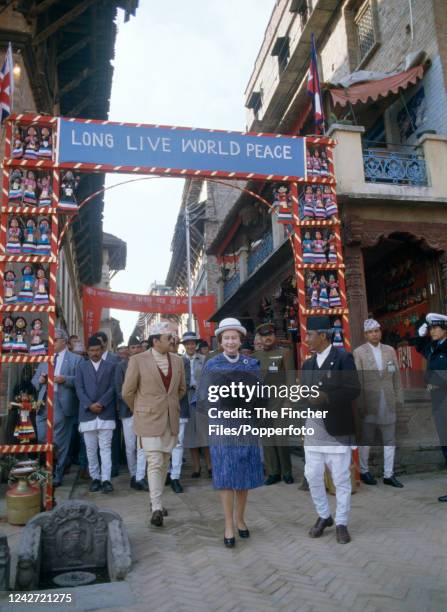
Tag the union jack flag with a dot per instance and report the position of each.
(6, 85)
(313, 89)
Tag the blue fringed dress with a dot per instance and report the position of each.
(236, 461)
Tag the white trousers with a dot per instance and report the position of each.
(157, 468)
(103, 438)
(388, 460)
(389, 450)
(339, 465)
(136, 459)
(177, 452)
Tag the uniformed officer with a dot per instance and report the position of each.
(432, 344)
(277, 368)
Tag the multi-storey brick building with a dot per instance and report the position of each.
(383, 71)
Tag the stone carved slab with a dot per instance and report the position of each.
(73, 536)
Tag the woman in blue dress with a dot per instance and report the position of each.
(236, 461)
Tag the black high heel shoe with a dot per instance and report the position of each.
(196, 474)
(230, 542)
(244, 533)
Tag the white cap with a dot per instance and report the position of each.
(370, 325)
(160, 328)
(433, 318)
(230, 323)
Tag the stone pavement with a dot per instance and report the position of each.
(397, 560)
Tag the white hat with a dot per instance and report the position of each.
(230, 323)
(160, 328)
(370, 324)
(433, 318)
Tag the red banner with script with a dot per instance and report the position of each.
(95, 300)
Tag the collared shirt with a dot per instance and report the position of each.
(377, 352)
(58, 367)
(95, 364)
(161, 360)
(321, 357)
(193, 380)
(96, 424)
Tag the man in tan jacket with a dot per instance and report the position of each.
(153, 386)
(379, 375)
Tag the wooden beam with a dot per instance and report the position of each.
(76, 81)
(75, 111)
(42, 7)
(80, 8)
(68, 53)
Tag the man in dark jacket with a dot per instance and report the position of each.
(136, 459)
(333, 372)
(95, 388)
(432, 344)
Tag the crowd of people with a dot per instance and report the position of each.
(158, 398)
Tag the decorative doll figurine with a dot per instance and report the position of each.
(9, 285)
(28, 278)
(43, 240)
(8, 335)
(308, 208)
(318, 248)
(15, 187)
(308, 256)
(19, 345)
(329, 203)
(309, 164)
(282, 202)
(37, 345)
(324, 168)
(29, 241)
(323, 300)
(44, 184)
(17, 147)
(68, 186)
(41, 287)
(314, 303)
(334, 297)
(337, 336)
(45, 147)
(316, 166)
(332, 251)
(31, 143)
(319, 209)
(30, 187)
(14, 236)
(24, 423)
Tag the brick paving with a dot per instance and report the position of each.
(397, 560)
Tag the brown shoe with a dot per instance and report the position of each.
(343, 536)
(157, 518)
(320, 526)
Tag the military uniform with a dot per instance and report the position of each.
(277, 368)
(435, 352)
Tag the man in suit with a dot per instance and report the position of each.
(136, 459)
(378, 370)
(277, 369)
(196, 437)
(116, 438)
(333, 372)
(65, 400)
(177, 451)
(95, 387)
(153, 386)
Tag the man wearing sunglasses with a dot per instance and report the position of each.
(153, 386)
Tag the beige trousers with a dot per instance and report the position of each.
(157, 468)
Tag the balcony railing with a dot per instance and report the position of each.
(396, 167)
(260, 253)
(232, 285)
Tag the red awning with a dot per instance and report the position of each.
(372, 90)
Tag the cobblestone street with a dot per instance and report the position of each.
(396, 561)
